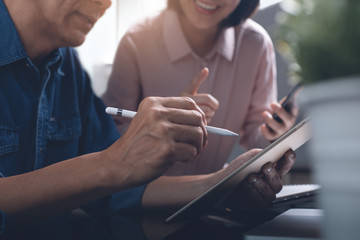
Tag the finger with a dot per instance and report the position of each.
(190, 123)
(195, 83)
(207, 103)
(272, 177)
(206, 99)
(264, 190)
(287, 118)
(268, 133)
(192, 135)
(284, 165)
(209, 113)
(241, 159)
(271, 122)
(179, 110)
(250, 193)
(173, 102)
(274, 129)
(295, 110)
(183, 152)
(282, 100)
(174, 107)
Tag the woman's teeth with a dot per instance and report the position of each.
(205, 6)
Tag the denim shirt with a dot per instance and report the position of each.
(50, 114)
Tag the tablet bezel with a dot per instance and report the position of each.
(292, 139)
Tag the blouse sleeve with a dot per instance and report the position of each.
(124, 88)
(264, 92)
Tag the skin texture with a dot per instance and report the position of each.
(164, 130)
(259, 190)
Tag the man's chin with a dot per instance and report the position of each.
(76, 40)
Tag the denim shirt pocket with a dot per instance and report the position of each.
(65, 128)
(9, 140)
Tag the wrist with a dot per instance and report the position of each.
(112, 177)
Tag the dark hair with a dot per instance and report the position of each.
(242, 12)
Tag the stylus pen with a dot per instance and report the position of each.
(131, 114)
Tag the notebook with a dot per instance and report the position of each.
(292, 139)
(297, 193)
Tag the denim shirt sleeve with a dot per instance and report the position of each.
(2, 217)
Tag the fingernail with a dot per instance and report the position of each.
(291, 155)
(252, 179)
(269, 169)
(268, 115)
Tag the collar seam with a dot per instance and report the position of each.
(13, 59)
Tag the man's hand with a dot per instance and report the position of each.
(163, 131)
(206, 102)
(259, 190)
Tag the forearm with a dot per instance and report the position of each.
(174, 191)
(59, 187)
(169, 192)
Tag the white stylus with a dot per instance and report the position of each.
(131, 114)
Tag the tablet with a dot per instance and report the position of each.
(292, 139)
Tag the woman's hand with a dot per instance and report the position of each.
(272, 128)
(206, 102)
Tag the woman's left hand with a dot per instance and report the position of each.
(273, 129)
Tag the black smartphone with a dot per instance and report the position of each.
(289, 101)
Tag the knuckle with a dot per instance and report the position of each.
(148, 101)
(191, 153)
(267, 169)
(156, 113)
(162, 128)
(198, 116)
(199, 133)
(189, 101)
(168, 147)
(252, 179)
(194, 151)
(254, 151)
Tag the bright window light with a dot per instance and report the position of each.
(97, 53)
(131, 11)
(268, 3)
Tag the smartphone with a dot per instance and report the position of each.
(289, 101)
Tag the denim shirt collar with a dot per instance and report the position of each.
(12, 49)
(11, 46)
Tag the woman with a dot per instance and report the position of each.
(232, 59)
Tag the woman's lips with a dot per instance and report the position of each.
(206, 6)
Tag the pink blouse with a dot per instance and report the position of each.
(154, 59)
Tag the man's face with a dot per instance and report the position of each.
(67, 22)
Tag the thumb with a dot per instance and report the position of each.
(195, 83)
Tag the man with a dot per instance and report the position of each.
(60, 151)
